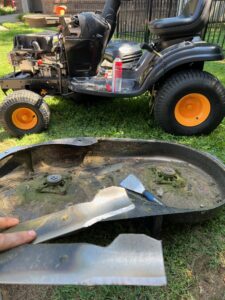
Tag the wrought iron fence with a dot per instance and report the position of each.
(136, 14)
(215, 31)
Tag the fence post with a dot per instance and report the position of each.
(180, 6)
(147, 32)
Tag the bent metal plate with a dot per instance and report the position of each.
(131, 259)
(107, 203)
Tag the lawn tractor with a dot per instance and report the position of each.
(81, 60)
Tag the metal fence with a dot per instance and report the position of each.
(135, 16)
(215, 31)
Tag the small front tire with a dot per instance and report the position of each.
(24, 112)
(190, 103)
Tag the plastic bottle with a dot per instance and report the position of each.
(108, 83)
(117, 75)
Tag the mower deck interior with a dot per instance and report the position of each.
(188, 182)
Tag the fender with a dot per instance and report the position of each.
(152, 68)
(182, 54)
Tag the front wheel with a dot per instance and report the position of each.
(190, 103)
(24, 112)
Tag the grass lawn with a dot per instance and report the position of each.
(194, 255)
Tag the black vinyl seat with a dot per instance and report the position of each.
(191, 21)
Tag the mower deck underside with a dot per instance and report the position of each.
(179, 176)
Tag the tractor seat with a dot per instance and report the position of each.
(191, 21)
(25, 41)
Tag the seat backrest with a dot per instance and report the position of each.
(191, 8)
(189, 23)
(197, 9)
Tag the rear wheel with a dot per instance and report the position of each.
(24, 112)
(189, 103)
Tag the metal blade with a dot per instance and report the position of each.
(130, 260)
(107, 203)
(132, 183)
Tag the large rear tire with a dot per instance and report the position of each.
(24, 112)
(190, 103)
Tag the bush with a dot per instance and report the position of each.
(7, 10)
(21, 17)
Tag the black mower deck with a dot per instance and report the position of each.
(190, 183)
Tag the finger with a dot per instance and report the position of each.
(11, 240)
(8, 222)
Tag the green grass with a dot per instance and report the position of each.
(194, 255)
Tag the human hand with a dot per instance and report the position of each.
(11, 240)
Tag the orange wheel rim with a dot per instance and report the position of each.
(192, 110)
(24, 118)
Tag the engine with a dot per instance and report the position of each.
(38, 54)
(77, 50)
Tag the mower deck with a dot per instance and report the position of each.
(189, 183)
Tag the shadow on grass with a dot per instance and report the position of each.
(102, 113)
(3, 135)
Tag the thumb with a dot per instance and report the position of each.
(11, 240)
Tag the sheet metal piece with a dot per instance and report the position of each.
(107, 203)
(132, 183)
(131, 259)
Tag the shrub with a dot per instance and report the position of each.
(7, 10)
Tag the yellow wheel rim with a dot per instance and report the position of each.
(24, 118)
(192, 110)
